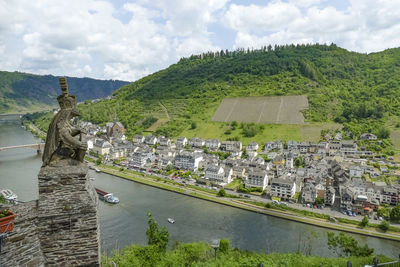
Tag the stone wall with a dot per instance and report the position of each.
(59, 229)
(67, 217)
(22, 245)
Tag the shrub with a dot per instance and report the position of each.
(222, 193)
(384, 226)
(224, 245)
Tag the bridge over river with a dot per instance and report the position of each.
(39, 147)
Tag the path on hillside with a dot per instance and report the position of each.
(165, 110)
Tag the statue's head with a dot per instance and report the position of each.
(67, 101)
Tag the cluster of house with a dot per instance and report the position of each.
(332, 170)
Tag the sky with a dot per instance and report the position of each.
(127, 40)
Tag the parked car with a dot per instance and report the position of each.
(275, 201)
(247, 196)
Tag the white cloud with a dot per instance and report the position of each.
(87, 38)
(101, 39)
(365, 26)
(253, 18)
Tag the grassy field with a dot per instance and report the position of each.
(208, 130)
(395, 137)
(265, 109)
(312, 132)
(283, 132)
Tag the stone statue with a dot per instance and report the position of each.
(60, 141)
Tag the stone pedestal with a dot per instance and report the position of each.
(67, 216)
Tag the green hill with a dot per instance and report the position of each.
(21, 92)
(360, 91)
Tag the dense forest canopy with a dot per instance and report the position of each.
(345, 87)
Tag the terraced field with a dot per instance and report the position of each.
(266, 109)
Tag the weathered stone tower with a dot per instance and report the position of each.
(61, 228)
(67, 217)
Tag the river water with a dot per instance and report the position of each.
(195, 220)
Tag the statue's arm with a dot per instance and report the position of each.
(75, 131)
(69, 139)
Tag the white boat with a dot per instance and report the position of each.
(170, 220)
(97, 170)
(107, 197)
(9, 195)
(110, 198)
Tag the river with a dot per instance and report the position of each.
(195, 219)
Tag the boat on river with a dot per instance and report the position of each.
(97, 170)
(9, 195)
(170, 220)
(107, 197)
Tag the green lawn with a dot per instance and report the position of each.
(234, 184)
(283, 132)
(217, 130)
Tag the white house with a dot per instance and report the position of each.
(253, 146)
(283, 188)
(181, 142)
(231, 146)
(142, 158)
(289, 160)
(213, 144)
(164, 141)
(138, 139)
(356, 171)
(368, 136)
(188, 160)
(101, 146)
(150, 140)
(257, 178)
(196, 142)
(219, 174)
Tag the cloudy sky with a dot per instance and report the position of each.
(117, 39)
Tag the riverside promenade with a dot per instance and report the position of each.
(244, 204)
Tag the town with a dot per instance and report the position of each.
(335, 175)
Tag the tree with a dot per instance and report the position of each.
(395, 214)
(222, 193)
(384, 226)
(193, 125)
(364, 222)
(156, 237)
(98, 161)
(319, 201)
(244, 154)
(384, 212)
(298, 162)
(224, 245)
(345, 245)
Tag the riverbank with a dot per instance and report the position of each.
(193, 192)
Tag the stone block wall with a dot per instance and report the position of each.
(59, 229)
(67, 217)
(22, 245)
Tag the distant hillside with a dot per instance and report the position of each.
(360, 91)
(21, 92)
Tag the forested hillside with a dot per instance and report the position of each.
(20, 92)
(360, 91)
